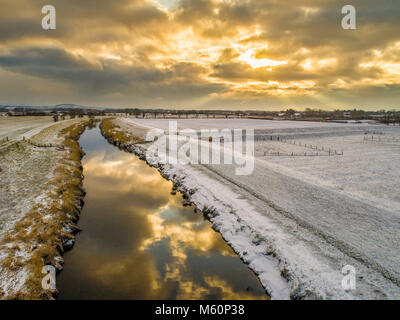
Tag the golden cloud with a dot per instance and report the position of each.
(202, 53)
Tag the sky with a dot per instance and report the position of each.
(201, 54)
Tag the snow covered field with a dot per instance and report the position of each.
(322, 196)
(240, 124)
(16, 127)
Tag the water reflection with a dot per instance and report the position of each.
(139, 242)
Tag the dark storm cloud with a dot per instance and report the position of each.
(179, 80)
(57, 64)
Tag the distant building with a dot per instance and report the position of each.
(16, 113)
(377, 116)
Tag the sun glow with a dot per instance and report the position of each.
(249, 58)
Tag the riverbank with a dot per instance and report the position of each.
(248, 244)
(41, 200)
(295, 228)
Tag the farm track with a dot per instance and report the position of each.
(343, 246)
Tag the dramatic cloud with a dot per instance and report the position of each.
(201, 54)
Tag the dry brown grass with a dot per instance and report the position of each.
(114, 133)
(44, 229)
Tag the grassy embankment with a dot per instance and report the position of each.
(115, 134)
(48, 229)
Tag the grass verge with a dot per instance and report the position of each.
(115, 135)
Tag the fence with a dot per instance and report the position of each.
(43, 145)
(298, 154)
(381, 139)
(373, 132)
(326, 151)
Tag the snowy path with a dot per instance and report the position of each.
(361, 231)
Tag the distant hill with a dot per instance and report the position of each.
(72, 106)
(68, 106)
(63, 106)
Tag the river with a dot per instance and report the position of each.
(140, 242)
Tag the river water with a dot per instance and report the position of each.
(140, 242)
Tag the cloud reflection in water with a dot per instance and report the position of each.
(139, 242)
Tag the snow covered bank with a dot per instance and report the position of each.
(295, 232)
